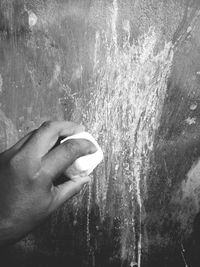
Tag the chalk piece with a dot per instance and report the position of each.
(83, 166)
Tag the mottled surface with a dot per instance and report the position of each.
(130, 71)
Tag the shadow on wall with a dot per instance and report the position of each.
(4, 24)
(170, 214)
(192, 246)
(73, 249)
(13, 20)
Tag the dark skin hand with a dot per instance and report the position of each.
(28, 171)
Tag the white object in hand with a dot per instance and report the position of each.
(83, 166)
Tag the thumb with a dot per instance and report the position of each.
(68, 189)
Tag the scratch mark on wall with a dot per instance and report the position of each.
(190, 26)
(114, 18)
(1, 84)
(10, 131)
(96, 49)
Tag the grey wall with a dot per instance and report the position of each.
(130, 71)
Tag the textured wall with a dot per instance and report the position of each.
(130, 71)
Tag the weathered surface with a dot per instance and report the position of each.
(129, 71)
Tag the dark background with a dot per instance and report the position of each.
(130, 71)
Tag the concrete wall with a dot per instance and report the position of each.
(130, 71)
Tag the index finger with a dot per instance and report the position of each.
(47, 135)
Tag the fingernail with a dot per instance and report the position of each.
(87, 147)
(93, 148)
(86, 180)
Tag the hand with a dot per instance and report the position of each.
(28, 171)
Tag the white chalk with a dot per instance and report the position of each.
(83, 166)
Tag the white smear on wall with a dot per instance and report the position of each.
(56, 73)
(123, 113)
(10, 131)
(193, 106)
(1, 84)
(191, 186)
(96, 49)
(190, 120)
(114, 18)
(77, 74)
(32, 19)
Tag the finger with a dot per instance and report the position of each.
(67, 190)
(15, 148)
(48, 133)
(61, 157)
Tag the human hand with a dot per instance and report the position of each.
(28, 171)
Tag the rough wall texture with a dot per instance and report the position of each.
(130, 71)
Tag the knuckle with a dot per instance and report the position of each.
(47, 124)
(14, 161)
